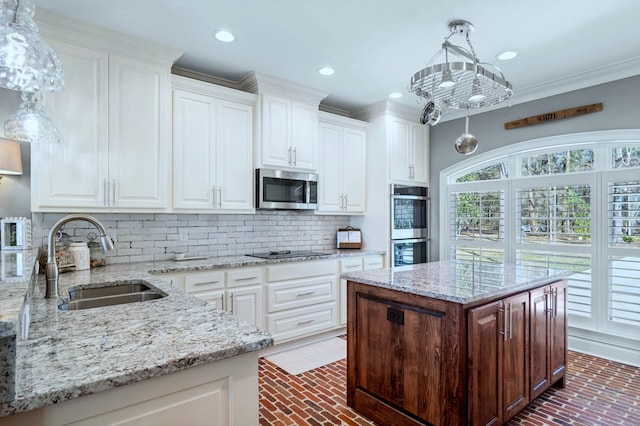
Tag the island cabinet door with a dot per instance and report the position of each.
(399, 360)
(485, 363)
(548, 336)
(558, 331)
(498, 360)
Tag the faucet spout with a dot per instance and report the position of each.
(51, 270)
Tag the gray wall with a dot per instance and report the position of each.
(620, 111)
(15, 190)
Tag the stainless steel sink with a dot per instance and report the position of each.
(109, 289)
(109, 294)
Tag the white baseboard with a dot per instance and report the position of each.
(605, 350)
(280, 347)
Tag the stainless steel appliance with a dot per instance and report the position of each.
(280, 189)
(409, 224)
(409, 252)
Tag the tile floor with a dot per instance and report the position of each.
(598, 392)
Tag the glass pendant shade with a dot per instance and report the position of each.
(30, 123)
(27, 63)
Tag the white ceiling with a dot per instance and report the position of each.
(376, 45)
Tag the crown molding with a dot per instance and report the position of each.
(257, 83)
(385, 107)
(83, 34)
(594, 77)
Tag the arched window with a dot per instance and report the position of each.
(569, 202)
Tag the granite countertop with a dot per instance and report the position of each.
(63, 355)
(459, 282)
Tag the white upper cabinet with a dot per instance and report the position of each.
(289, 133)
(408, 151)
(139, 134)
(73, 173)
(114, 119)
(288, 121)
(212, 147)
(342, 174)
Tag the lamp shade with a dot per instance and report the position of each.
(10, 157)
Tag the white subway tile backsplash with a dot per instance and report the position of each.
(147, 236)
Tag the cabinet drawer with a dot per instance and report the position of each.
(204, 281)
(291, 271)
(372, 262)
(300, 322)
(214, 298)
(295, 294)
(351, 264)
(244, 276)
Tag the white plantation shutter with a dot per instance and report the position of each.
(570, 202)
(623, 250)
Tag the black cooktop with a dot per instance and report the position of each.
(286, 254)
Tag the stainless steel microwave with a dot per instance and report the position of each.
(281, 189)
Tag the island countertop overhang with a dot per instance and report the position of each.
(466, 283)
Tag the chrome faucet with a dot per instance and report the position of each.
(51, 271)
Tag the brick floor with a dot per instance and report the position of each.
(598, 392)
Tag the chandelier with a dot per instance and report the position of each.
(462, 83)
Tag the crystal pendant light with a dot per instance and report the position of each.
(27, 63)
(30, 123)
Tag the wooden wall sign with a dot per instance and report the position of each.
(555, 115)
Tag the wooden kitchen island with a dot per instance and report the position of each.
(453, 343)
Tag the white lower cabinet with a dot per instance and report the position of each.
(300, 298)
(352, 264)
(237, 291)
(295, 323)
(219, 394)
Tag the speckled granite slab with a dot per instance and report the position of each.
(63, 355)
(459, 282)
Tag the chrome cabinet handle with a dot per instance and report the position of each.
(231, 303)
(504, 323)
(295, 157)
(546, 302)
(341, 201)
(113, 193)
(219, 197)
(510, 322)
(346, 202)
(105, 193)
(213, 196)
(289, 156)
(555, 302)
(246, 278)
(306, 322)
(308, 293)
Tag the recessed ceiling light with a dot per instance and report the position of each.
(395, 95)
(327, 71)
(506, 55)
(224, 36)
